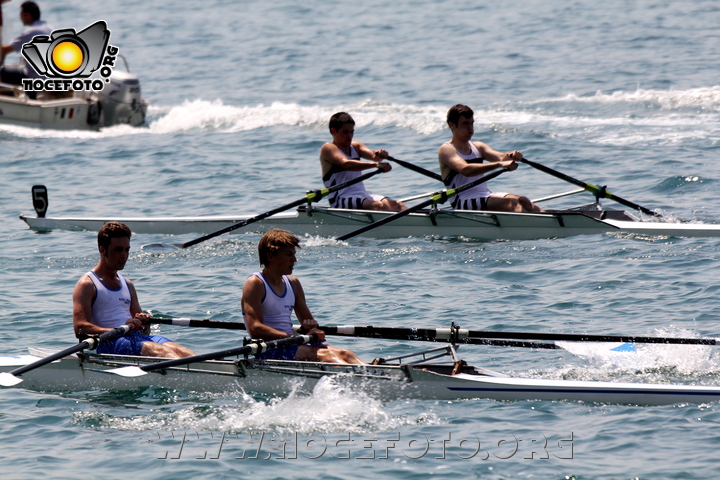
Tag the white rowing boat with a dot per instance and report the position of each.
(416, 376)
(333, 222)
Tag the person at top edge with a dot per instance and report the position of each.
(462, 161)
(103, 299)
(270, 296)
(30, 17)
(341, 161)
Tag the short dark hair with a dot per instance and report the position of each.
(457, 111)
(31, 8)
(273, 241)
(339, 119)
(112, 230)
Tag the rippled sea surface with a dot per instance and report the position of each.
(623, 94)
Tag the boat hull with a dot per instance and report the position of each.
(330, 222)
(387, 382)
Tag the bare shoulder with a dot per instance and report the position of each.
(84, 288)
(328, 149)
(252, 283)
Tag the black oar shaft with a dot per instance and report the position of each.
(251, 349)
(596, 190)
(313, 196)
(416, 168)
(437, 197)
(472, 336)
(201, 323)
(89, 343)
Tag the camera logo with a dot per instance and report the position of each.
(66, 55)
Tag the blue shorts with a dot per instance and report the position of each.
(287, 353)
(129, 344)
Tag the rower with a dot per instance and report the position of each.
(341, 161)
(103, 299)
(461, 161)
(270, 296)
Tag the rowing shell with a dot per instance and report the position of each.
(333, 222)
(279, 378)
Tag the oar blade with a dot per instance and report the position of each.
(128, 372)
(9, 380)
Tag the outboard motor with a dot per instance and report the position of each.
(121, 100)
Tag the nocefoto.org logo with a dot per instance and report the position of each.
(68, 59)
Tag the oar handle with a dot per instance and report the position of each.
(310, 196)
(416, 168)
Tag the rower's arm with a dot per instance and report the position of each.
(330, 155)
(451, 161)
(251, 302)
(365, 152)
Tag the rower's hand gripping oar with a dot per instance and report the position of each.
(599, 192)
(437, 197)
(311, 196)
(8, 379)
(416, 168)
(253, 348)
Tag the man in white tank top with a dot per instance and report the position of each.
(103, 299)
(341, 161)
(269, 298)
(462, 161)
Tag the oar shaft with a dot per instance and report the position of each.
(416, 168)
(446, 334)
(201, 323)
(89, 343)
(438, 197)
(470, 336)
(313, 196)
(590, 187)
(251, 349)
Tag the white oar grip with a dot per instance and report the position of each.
(450, 333)
(346, 329)
(182, 322)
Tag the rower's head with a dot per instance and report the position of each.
(342, 127)
(460, 118)
(273, 242)
(114, 244)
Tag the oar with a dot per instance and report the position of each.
(311, 196)
(251, 349)
(8, 379)
(594, 189)
(206, 323)
(416, 168)
(447, 334)
(462, 335)
(437, 197)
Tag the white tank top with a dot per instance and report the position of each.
(111, 308)
(455, 179)
(337, 175)
(276, 308)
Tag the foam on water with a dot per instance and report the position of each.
(330, 408)
(657, 117)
